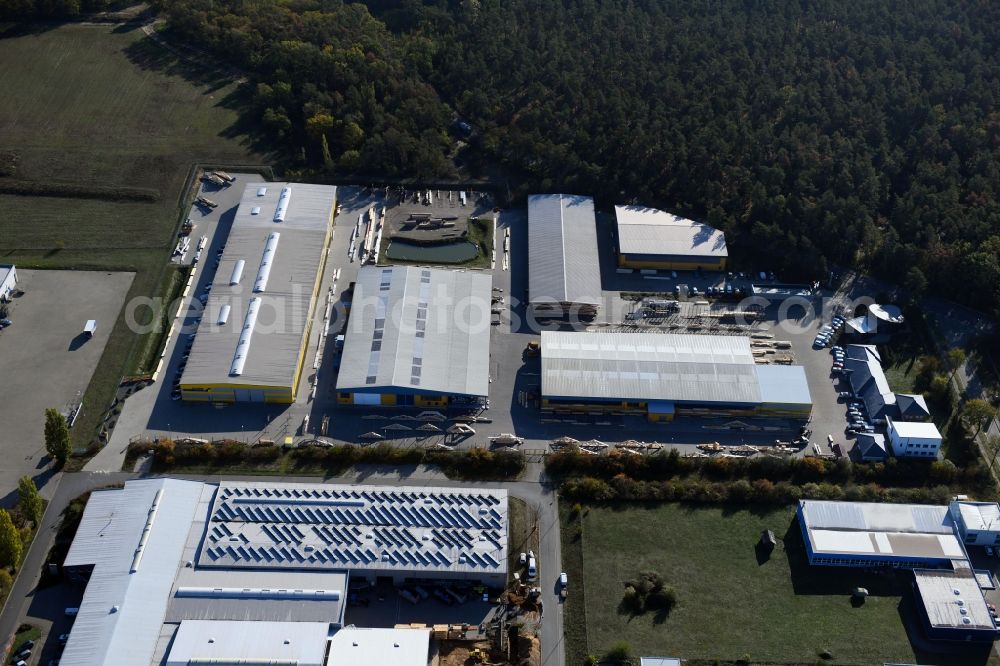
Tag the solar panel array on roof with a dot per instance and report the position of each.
(323, 526)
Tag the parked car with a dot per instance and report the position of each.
(844, 394)
(563, 579)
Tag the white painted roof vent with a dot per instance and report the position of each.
(255, 210)
(261, 191)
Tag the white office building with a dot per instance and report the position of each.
(913, 439)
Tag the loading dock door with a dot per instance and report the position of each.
(367, 399)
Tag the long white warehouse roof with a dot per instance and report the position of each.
(655, 366)
(274, 265)
(900, 531)
(563, 260)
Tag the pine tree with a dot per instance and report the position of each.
(28, 500)
(10, 541)
(57, 435)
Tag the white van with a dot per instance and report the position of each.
(532, 568)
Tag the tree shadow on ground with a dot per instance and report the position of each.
(149, 55)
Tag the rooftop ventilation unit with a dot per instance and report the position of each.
(264, 271)
(243, 348)
(223, 314)
(282, 209)
(237, 273)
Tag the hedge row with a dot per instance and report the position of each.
(895, 472)
(472, 464)
(759, 491)
(72, 190)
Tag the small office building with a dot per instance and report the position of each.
(913, 439)
(417, 336)
(663, 375)
(654, 239)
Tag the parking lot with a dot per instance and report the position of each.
(47, 360)
(512, 376)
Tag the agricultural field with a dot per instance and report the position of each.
(732, 601)
(112, 122)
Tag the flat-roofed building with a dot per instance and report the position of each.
(564, 269)
(252, 341)
(912, 439)
(660, 375)
(228, 642)
(868, 534)
(978, 522)
(651, 238)
(952, 606)
(355, 646)
(417, 336)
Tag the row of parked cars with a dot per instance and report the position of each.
(175, 392)
(858, 420)
(828, 332)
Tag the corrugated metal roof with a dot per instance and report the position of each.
(393, 647)
(927, 518)
(299, 643)
(648, 231)
(783, 385)
(121, 613)
(418, 329)
(980, 516)
(97, 527)
(563, 261)
(285, 305)
(649, 366)
(322, 527)
(214, 594)
(900, 531)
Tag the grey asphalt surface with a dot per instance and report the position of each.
(47, 361)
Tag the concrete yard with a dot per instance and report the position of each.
(47, 361)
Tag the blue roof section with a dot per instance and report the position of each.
(783, 385)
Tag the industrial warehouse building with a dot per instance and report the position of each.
(654, 239)
(8, 280)
(660, 375)
(181, 572)
(251, 343)
(417, 336)
(925, 538)
(564, 270)
(867, 534)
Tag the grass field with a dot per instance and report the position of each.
(730, 604)
(102, 106)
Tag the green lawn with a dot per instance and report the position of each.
(730, 605)
(104, 107)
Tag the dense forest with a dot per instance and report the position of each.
(814, 133)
